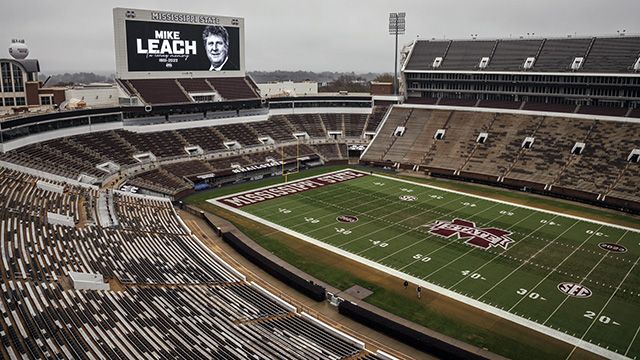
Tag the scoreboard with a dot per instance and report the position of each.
(161, 44)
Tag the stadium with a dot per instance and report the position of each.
(486, 206)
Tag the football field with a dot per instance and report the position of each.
(571, 278)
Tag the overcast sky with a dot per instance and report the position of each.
(333, 35)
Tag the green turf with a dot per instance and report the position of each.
(548, 249)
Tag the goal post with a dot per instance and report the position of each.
(296, 169)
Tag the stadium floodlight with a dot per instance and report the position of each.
(397, 26)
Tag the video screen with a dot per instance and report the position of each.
(160, 46)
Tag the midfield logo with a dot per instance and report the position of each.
(483, 238)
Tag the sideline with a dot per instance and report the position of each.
(441, 290)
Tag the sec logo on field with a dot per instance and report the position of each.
(575, 290)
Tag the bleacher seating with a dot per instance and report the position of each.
(424, 52)
(160, 181)
(276, 127)
(377, 114)
(627, 186)
(176, 298)
(604, 157)
(309, 123)
(239, 132)
(162, 143)
(419, 136)
(377, 149)
(332, 122)
(558, 54)
(159, 91)
(205, 137)
(510, 55)
(600, 169)
(187, 168)
(612, 55)
(459, 140)
(551, 150)
(466, 55)
(195, 85)
(110, 144)
(226, 163)
(233, 88)
(328, 151)
(354, 124)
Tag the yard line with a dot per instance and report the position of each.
(418, 227)
(632, 341)
(581, 281)
(473, 248)
(524, 263)
(373, 218)
(324, 216)
(393, 224)
(430, 236)
(595, 318)
(333, 214)
(555, 268)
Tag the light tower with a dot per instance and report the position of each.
(396, 27)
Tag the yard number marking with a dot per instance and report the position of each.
(379, 243)
(532, 295)
(603, 319)
(422, 258)
(474, 276)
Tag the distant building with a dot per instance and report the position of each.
(92, 95)
(381, 88)
(288, 88)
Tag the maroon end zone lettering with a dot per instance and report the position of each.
(254, 197)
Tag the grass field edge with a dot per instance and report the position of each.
(445, 292)
(574, 217)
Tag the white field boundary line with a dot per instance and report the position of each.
(595, 319)
(506, 202)
(435, 288)
(632, 341)
(441, 290)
